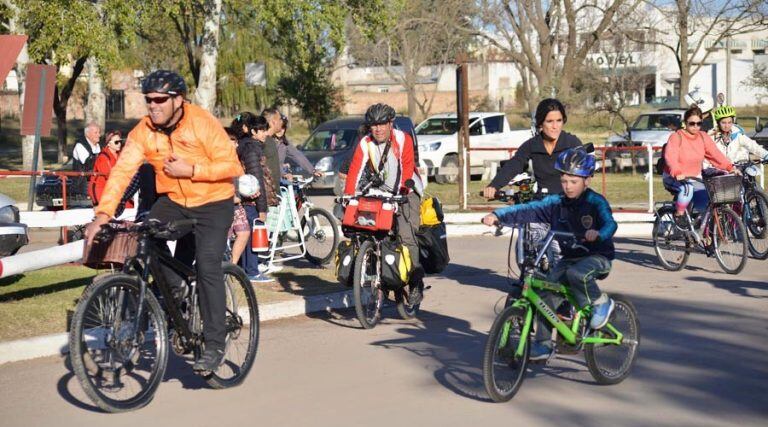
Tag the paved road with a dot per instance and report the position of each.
(702, 362)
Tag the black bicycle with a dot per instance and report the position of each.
(753, 208)
(124, 322)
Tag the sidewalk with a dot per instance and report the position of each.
(468, 224)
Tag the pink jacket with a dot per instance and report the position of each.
(685, 154)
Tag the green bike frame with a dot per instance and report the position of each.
(530, 300)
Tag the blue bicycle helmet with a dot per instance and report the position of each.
(576, 161)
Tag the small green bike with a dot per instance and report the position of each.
(610, 352)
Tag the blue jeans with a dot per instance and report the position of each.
(250, 259)
(686, 192)
(580, 274)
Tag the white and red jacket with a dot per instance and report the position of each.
(402, 148)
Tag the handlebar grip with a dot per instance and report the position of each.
(181, 223)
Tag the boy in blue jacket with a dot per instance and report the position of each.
(583, 212)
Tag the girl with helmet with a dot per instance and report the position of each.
(730, 139)
(585, 213)
(684, 155)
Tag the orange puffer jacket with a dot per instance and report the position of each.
(199, 139)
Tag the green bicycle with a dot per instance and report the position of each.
(609, 352)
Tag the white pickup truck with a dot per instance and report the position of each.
(438, 143)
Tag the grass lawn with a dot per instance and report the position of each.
(621, 190)
(37, 303)
(17, 188)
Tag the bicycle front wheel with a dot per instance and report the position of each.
(242, 325)
(728, 240)
(321, 236)
(609, 363)
(755, 214)
(670, 244)
(503, 368)
(366, 286)
(118, 365)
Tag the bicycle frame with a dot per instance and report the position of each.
(530, 300)
(149, 260)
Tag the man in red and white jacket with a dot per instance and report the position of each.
(384, 160)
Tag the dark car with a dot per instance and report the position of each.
(331, 145)
(48, 191)
(13, 234)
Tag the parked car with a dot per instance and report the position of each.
(48, 191)
(647, 129)
(13, 234)
(438, 142)
(331, 145)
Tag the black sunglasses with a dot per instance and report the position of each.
(693, 123)
(156, 100)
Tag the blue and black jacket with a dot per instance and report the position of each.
(590, 211)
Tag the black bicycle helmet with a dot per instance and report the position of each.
(164, 81)
(379, 113)
(576, 161)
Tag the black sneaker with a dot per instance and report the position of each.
(682, 222)
(416, 295)
(209, 361)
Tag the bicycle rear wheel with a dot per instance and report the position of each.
(366, 286)
(321, 234)
(608, 363)
(728, 240)
(671, 247)
(503, 371)
(242, 325)
(755, 214)
(118, 367)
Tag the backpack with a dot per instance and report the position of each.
(345, 262)
(396, 266)
(433, 248)
(661, 164)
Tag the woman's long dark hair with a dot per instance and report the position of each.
(545, 107)
(250, 121)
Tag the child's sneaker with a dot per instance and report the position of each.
(600, 313)
(540, 350)
(261, 278)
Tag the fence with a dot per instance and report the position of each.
(641, 158)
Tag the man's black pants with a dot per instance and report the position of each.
(205, 246)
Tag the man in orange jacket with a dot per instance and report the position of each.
(194, 163)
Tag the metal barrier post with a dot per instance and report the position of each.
(762, 176)
(605, 154)
(650, 178)
(64, 233)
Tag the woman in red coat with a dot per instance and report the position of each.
(103, 165)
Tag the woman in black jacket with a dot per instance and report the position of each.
(248, 127)
(542, 150)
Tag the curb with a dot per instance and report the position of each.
(58, 344)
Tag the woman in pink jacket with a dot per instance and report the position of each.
(684, 155)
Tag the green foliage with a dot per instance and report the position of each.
(238, 46)
(307, 35)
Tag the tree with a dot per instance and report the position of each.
(697, 25)
(10, 16)
(307, 35)
(759, 78)
(415, 34)
(205, 94)
(66, 33)
(549, 38)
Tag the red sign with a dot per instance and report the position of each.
(10, 46)
(32, 99)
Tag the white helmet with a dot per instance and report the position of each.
(700, 98)
(248, 185)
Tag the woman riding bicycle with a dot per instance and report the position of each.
(735, 145)
(684, 155)
(542, 150)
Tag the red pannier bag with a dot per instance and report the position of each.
(367, 213)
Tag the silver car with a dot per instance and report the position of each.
(647, 129)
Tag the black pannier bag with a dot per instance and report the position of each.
(345, 262)
(396, 266)
(433, 248)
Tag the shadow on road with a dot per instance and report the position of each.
(689, 355)
(737, 287)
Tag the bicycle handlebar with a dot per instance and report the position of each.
(152, 227)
